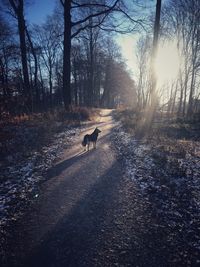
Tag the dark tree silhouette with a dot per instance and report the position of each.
(154, 51)
(73, 28)
(18, 8)
(68, 25)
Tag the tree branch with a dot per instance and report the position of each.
(62, 2)
(115, 30)
(14, 6)
(95, 15)
(131, 19)
(89, 26)
(77, 5)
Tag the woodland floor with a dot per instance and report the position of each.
(130, 202)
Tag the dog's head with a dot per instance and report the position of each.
(97, 131)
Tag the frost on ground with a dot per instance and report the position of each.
(166, 173)
(22, 170)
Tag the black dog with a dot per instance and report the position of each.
(91, 138)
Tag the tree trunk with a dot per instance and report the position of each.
(35, 70)
(181, 100)
(150, 111)
(154, 52)
(66, 55)
(174, 99)
(91, 78)
(50, 86)
(75, 85)
(19, 11)
(190, 101)
(43, 88)
(21, 28)
(185, 95)
(2, 78)
(105, 100)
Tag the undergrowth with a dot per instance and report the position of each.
(171, 139)
(162, 126)
(129, 118)
(29, 133)
(74, 115)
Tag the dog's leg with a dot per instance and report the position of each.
(88, 146)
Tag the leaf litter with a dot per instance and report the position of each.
(166, 172)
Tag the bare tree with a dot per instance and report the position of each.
(73, 28)
(33, 50)
(18, 8)
(49, 43)
(184, 17)
(6, 52)
(143, 61)
(154, 52)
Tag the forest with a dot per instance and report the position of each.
(68, 60)
(99, 133)
(72, 59)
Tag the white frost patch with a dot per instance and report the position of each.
(135, 155)
(170, 184)
(20, 178)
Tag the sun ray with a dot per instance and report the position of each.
(167, 63)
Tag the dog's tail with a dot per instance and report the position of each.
(84, 142)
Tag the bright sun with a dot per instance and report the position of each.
(167, 63)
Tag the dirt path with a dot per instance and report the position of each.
(88, 213)
(65, 225)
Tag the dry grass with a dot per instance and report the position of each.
(172, 128)
(36, 130)
(169, 138)
(75, 116)
(130, 119)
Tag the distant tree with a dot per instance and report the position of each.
(68, 24)
(154, 52)
(35, 87)
(143, 55)
(6, 51)
(18, 8)
(119, 87)
(11, 79)
(183, 21)
(47, 40)
(77, 76)
(100, 9)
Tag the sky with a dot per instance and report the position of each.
(37, 10)
(128, 44)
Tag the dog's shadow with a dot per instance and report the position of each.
(60, 167)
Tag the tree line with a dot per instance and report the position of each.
(180, 22)
(71, 59)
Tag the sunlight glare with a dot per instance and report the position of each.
(167, 63)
